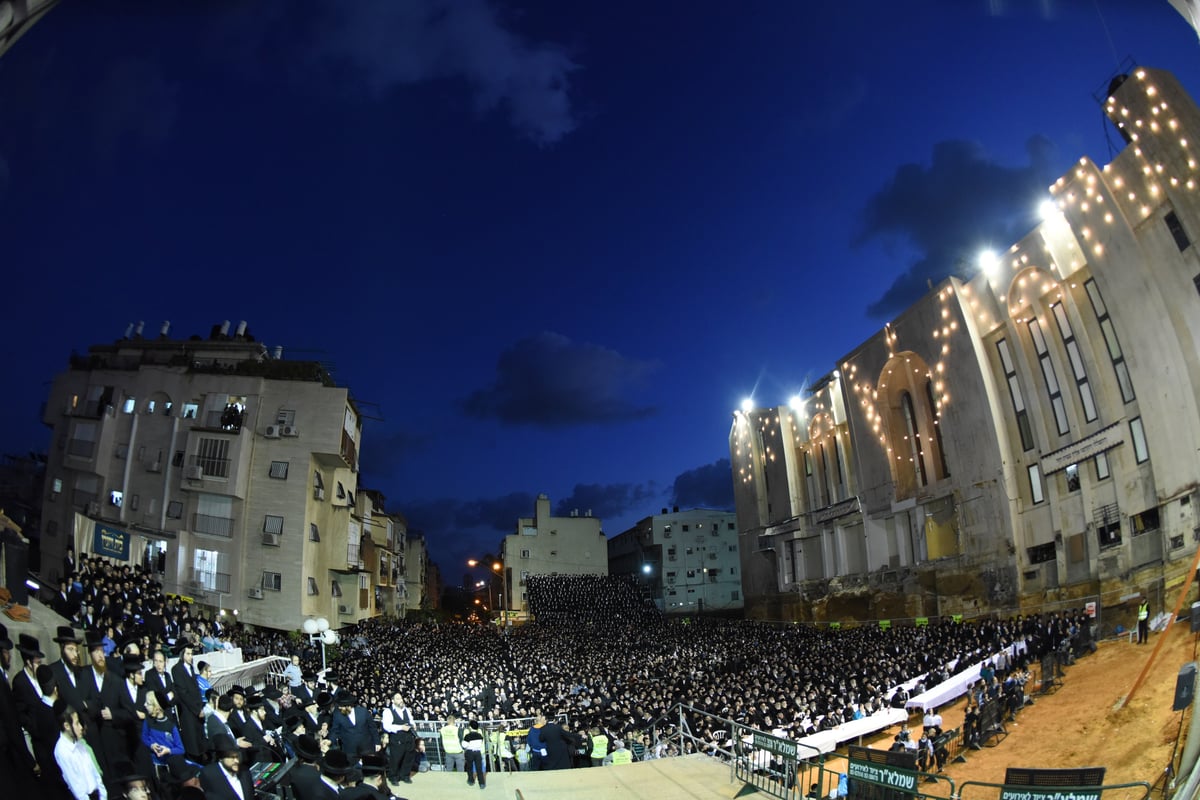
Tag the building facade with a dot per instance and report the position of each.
(547, 545)
(687, 560)
(1023, 436)
(230, 471)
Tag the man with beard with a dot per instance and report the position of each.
(66, 669)
(353, 727)
(224, 779)
(25, 687)
(402, 743)
(305, 776)
(92, 681)
(189, 704)
(121, 735)
(15, 760)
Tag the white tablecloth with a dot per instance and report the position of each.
(828, 741)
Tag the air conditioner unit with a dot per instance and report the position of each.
(254, 592)
(271, 539)
(273, 431)
(319, 493)
(290, 430)
(195, 473)
(345, 610)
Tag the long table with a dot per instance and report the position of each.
(827, 741)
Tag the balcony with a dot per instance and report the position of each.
(211, 582)
(213, 526)
(354, 556)
(212, 467)
(81, 448)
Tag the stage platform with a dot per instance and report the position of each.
(661, 779)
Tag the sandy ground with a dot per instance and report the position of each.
(1079, 724)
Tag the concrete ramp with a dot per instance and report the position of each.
(661, 779)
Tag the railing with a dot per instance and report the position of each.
(217, 582)
(213, 467)
(353, 554)
(214, 526)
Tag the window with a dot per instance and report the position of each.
(212, 455)
(1053, 390)
(1072, 476)
(732, 526)
(1041, 553)
(733, 570)
(671, 576)
(272, 524)
(335, 588)
(1035, 483)
(691, 573)
(56, 487)
(364, 581)
(1109, 533)
(685, 527)
(116, 498)
(129, 406)
(733, 548)
(1144, 522)
(285, 416)
(1110, 340)
(279, 469)
(314, 533)
(312, 586)
(190, 410)
(1177, 232)
(83, 440)
(554, 554)
(177, 459)
(1102, 471)
(1138, 433)
(734, 595)
(134, 502)
(524, 554)
(174, 510)
(272, 581)
(1014, 393)
(688, 551)
(1077, 368)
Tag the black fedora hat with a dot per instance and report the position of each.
(94, 639)
(223, 744)
(344, 698)
(29, 646)
(5, 642)
(308, 748)
(336, 763)
(373, 764)
(66, 635)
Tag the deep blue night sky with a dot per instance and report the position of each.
(556, 243)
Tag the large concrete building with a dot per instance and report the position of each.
(229, 470)
(546, 545)
(1025, 436)
(687, 560)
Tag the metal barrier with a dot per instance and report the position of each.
(515, 729)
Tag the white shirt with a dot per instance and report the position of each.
(234, 781)
(393, 719)
(78, 769)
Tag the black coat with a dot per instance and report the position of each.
(216, 785)
(306, 783)
(560, 744)
(68, 690)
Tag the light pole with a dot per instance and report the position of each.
(497, 571)
(318, 630)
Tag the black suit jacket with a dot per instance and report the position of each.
(306, 782)
(68, 690)
(160, 683)
(216, 785)
(187, 692)
(27, 697)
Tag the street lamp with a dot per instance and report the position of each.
(318, 630)
(497, 570)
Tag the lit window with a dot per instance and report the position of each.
(1138, 433)
(1035, 483)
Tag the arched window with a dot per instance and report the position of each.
(914, 438)
(937, 429)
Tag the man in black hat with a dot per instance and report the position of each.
(25, 687)
(224, 779)
(371, 785)
(189, 704)
(121, 734)
(335, 767)
(15, 757)
(307, 690)
(44, 732)
(267, 745)
(239, 716)
(305, 775)
(353, 727)
(66, 669)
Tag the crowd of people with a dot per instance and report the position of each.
(596, 678)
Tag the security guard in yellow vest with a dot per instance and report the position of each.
(620, 755)
(1144, 621)
(452, 749)
(599, 746)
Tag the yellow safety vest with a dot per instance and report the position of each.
(450, 742)
(622, 757)
(1143, 611)
(599, 746)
